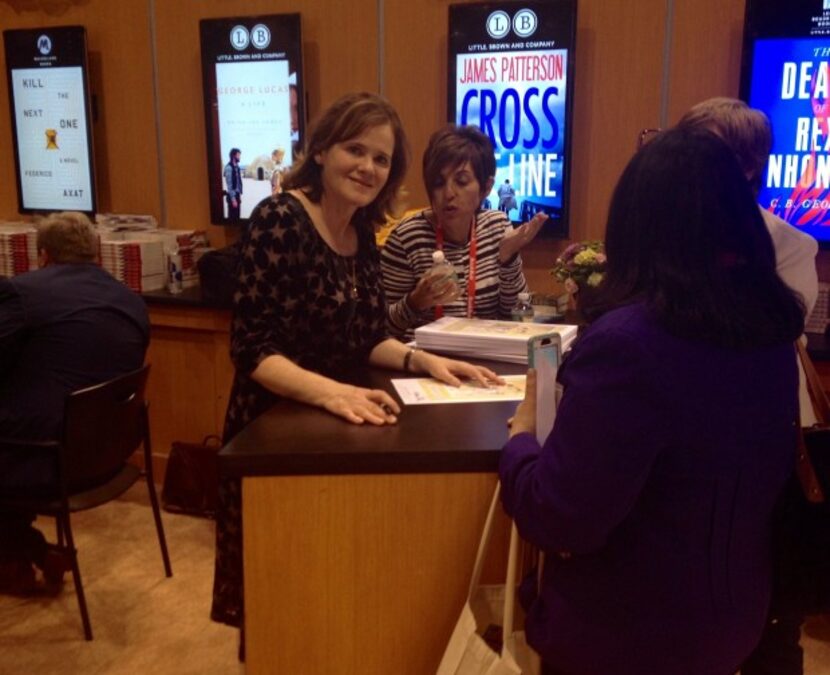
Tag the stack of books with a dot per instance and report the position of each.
(143, 266)
(18, 248)
(487, 339)
(139, 264)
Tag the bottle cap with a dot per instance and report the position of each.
(438, 256)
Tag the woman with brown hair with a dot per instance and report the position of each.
(310, 305)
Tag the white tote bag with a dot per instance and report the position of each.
(467, 653)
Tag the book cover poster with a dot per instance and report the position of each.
(50, 117)
(46, 70)
(790, 84)
(254, 109)
(511, 75)
(784, 73)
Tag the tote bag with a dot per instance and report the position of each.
(477, 646)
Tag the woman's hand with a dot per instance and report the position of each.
(431, 290)
(359, 405)
(517, 238)
(450, 370)
(525, 418)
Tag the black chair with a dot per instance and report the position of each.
(103, 426)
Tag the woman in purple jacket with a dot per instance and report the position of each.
(676, 431)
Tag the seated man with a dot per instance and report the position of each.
(64, 327)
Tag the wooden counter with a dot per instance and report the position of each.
(191, 371)
(359, 540)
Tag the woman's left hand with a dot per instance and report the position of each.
(517, 238)
(525, 418)
(450, 370)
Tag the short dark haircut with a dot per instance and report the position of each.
(685, 235)
(452, 146)
(745, 130)
(346, 118)
(233, 152)
(67, 237)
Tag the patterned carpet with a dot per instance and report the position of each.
(141, 621)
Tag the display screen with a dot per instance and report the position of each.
(49, 98)
(511, 74)
(785, 74)
(254, 112)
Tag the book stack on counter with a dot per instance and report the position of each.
(18, 248)
(138, 262)
(190, 245)
(487, 339)
(135, 250)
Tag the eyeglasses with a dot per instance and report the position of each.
(646, 135)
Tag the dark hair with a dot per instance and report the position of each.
(745, 130)
(348, 117)
(685, 235)
(233, 152)
(453, 145)
(68, 237)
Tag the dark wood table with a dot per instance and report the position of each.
(359, 540)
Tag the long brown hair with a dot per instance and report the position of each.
(348, 117)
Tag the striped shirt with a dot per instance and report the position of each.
(407, 256)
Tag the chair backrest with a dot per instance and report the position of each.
(103, 425)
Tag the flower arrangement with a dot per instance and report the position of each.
(581, 264)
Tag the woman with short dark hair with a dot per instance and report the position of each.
(675, 434)
(458, 170)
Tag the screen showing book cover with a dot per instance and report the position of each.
(49, 98)
(254, 108)
(785, 73)
(511, 74)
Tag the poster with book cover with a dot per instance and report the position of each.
(785, 74)
(511, 73)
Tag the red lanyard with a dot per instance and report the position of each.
(471, 276)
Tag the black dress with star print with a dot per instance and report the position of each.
(298, 298)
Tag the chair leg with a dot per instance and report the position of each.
(159, 527)
(58, 531)
(65, 526)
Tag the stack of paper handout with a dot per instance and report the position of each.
(486, 339)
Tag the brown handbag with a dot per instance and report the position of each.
(191, 481)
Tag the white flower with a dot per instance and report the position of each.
(594, 279)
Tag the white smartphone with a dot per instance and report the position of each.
(544, 353)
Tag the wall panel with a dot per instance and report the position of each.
(706, 52)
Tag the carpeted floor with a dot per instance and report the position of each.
(141, 620)
(146, 623)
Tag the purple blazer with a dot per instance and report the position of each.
(660, 477)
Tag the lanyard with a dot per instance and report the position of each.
(471, 275)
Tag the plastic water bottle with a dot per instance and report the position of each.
(523, 311)
(174, 271)
(442, 268)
